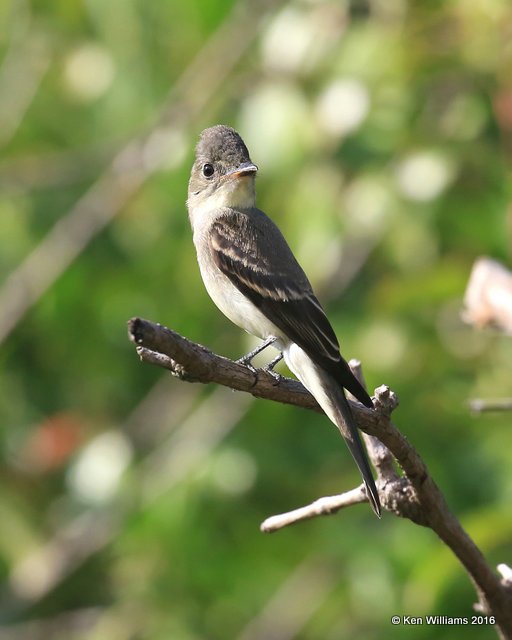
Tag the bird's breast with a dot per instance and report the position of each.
(232, 302)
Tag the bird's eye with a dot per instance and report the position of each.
(208, 170)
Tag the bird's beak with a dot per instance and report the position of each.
(244, 169)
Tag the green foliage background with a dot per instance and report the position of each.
(129, 501)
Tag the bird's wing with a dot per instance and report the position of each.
(268, 274)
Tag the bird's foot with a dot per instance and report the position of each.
(246, 360)
(269, 368)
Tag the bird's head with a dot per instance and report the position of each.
(223, 173)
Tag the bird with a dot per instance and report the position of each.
(253, 277)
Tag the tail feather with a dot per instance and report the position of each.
(350, 433)
(330, 396)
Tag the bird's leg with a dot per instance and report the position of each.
(246, 360)
(269, 368)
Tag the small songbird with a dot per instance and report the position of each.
(253, 277)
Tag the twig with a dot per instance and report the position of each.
(479, 405)
(325, 506)
(414, 495)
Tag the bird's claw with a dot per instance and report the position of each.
(246, 362)
(277, 376)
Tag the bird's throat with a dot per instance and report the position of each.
(235, 193)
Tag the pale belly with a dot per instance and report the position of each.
(235, 306)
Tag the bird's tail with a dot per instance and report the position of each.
(331, 397)
(347, 426)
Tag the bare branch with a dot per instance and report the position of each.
(194, 363)
(478, 405)
(414, 495)
(322, 507)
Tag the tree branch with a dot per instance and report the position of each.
(322, 507)
(413, 495)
